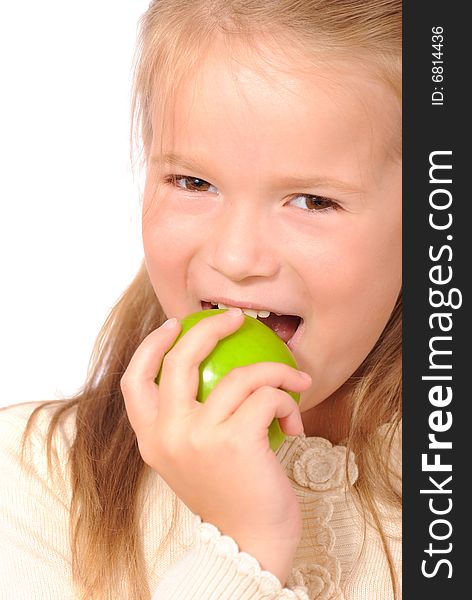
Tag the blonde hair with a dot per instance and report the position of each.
(107, 471)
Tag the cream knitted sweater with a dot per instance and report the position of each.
(197, 562)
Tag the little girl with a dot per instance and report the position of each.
(271, 141)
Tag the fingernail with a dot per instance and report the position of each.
(304, 375)
(169, 323)
(234, 312)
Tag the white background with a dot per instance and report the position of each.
(70, 239)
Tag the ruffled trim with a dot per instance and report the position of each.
(321, 473)
(269, 584)
(321, 577)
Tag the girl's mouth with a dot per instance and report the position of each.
(287, 327)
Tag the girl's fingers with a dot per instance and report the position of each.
(240, 383)
(137, 384)
(180, 376)
(262, 407)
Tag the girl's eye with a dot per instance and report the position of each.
(192, 184)
(307, 202)
(314, 203)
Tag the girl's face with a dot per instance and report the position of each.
(279, 189)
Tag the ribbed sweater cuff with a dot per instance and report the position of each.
(214, 568)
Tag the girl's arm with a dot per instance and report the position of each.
(215, 568)
(216, 456)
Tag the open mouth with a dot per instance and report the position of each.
(285, 326)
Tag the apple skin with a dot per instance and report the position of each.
(253, 342)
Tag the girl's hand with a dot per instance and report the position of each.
(216, 456)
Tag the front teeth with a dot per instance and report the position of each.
(263, 314)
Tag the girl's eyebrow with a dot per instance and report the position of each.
(324, 182)
(175, 160)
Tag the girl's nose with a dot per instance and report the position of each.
(243, 246)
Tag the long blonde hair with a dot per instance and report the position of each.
(107, 471)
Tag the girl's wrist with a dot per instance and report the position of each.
(274, 556)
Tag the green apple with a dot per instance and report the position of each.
(253, 342)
